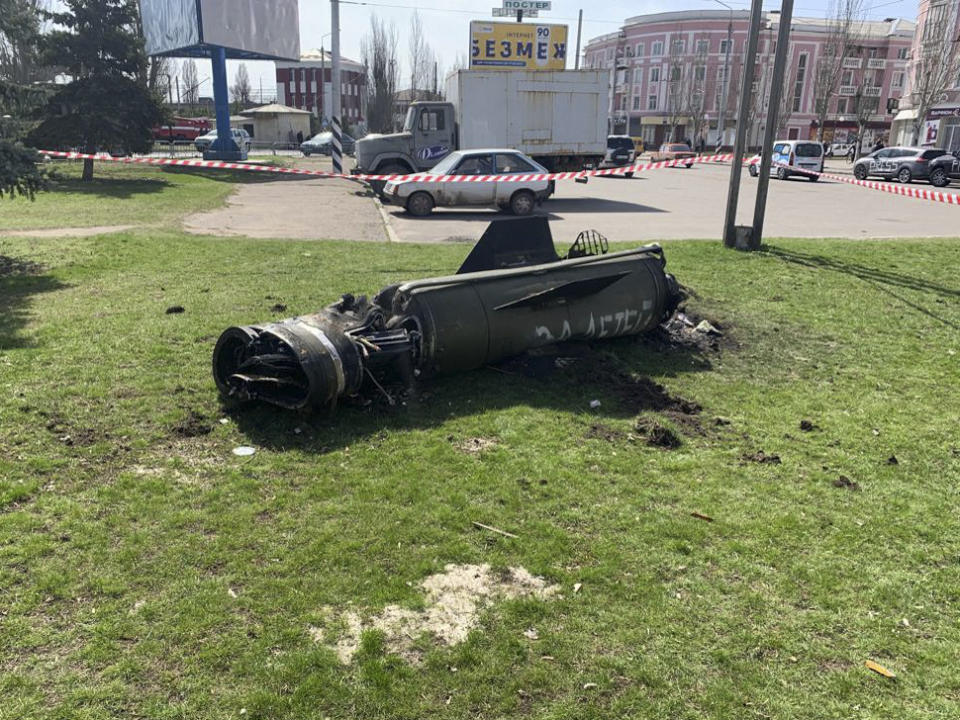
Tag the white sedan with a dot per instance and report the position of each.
(419, 197)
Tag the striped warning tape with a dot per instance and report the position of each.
(919, 193)
(420, 177)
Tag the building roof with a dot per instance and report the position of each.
(316, 56)
(274, 109)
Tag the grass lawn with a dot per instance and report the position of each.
(146, 571)
(123, 195)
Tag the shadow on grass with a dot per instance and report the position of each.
(237, 177)
(615, 373)
(123, 189)
(882, 280)
(20, 280)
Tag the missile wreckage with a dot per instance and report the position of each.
(512, 294)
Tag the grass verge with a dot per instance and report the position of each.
(146, 571)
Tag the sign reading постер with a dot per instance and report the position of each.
(518, 46)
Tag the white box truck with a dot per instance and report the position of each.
(558, 118)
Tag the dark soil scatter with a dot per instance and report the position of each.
(194, 425)
(761, 457)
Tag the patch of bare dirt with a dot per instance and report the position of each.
(74, 232)
(599, 431)
(761, 457)
(194, 424)
(657, 434)
(454, 600)
(474, 445)
(12, 267)
(846, 483)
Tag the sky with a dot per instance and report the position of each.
(446, 24)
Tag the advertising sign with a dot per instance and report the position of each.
(930, 128)
(518, 46)
(503, 12)
(251, 29)
(526, 5)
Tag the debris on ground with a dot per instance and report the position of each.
(705, 327)
(481, 526)
(453, 602)
(244, 451)
(844, 482)
(594, 404)
(175, 310)
(808, 426)
(761, 457)
(892, 460)
(279, 308)
(880, 669)
(701, 516)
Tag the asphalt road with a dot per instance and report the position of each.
(678, 203)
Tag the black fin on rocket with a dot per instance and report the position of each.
(510, 243)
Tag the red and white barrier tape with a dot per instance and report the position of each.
(420, 177)
(896, 189)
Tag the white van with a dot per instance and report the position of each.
(804, 154)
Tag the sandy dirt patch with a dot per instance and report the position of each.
(454, 600)
(67, 232)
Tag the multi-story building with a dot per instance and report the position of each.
(307, 85)
(936, 41)
(674, 74)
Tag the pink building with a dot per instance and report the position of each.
(941, 123)
(667, 76)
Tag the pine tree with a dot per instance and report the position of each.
(107, 106)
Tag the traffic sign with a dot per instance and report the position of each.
(505, 12)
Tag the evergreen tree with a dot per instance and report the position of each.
(107, 106)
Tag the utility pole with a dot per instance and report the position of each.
(769, 135)
(323, 81)
(178, 93)
(579, 28)
(335, 90)
(746, 82)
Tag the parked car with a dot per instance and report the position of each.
(674, 151)
(322, 144)
(419, 197)
(944, 169)
(803, 154)
(240, 136)
(906, 164)
(620, 151)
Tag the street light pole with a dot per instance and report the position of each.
(721, 121)
(337, 147)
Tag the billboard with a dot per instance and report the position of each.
(248, 29)
(517, 46)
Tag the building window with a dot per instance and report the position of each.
(871, 52)
(678, 46)
(897, 81)
(675, 72)
(722, 74)
(846, 78)
(636, 102)
(654, 74)
(699, 73)
(652, 102)
(638, 75)
(903, 53)
(657, 48)
(725, 45)
(703, 47)
(841, 106)
(933, 26)
(798, 85)
(639, 50)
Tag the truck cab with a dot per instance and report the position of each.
(429, 134)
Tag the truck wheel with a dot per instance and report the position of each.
(522, 202)
(904, 175)
(420, 204)
(939, 177)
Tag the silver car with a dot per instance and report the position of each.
(240, 136)
(903, 163)
(419, 197)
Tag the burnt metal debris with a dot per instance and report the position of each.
(512, 294)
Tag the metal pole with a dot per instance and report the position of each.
(178, 93)
(323, 82)
(769, 135)
(223, 148)
(579, 29)
(733, 193)
(721, 123)
(335, 90)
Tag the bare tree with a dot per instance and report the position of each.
(379, 51)
(421, 59)
(843, 28)
(865, 106)
(189, 82)
(678, 78)
(241, 88)
(938, 64)
(695, 92)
